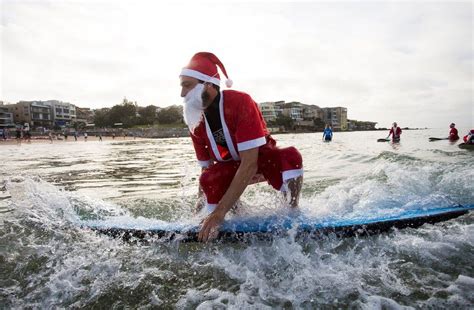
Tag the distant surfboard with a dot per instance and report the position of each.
(466, 146)
(383, 140)
(437, 139)
(238, 229)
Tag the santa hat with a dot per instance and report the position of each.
(203, 66)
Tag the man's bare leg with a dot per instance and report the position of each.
(294, 186)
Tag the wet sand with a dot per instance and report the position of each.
(69, 139)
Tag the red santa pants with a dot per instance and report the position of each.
(277, 165)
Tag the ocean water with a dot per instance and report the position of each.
(48, 261)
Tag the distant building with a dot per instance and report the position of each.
(293, 109)
(336, 117)
(6, 117)
(43, 113)
(311, 117)
(63, 112)
(85, 115)
(311, 112)
(268, 111)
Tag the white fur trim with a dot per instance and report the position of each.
(229, 83)
(251, 144)
(200, 76)
(204, 163)
(210, 207)
(291, 174)
(213, 142)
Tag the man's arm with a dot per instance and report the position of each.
(247, 169)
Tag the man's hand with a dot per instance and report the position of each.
(247, 169)
(210, 226)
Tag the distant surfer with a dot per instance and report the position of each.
(327, 133)
(231, 142)
(453, 133)
(469, 138)
(395, 131)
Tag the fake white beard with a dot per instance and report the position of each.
(193, 109)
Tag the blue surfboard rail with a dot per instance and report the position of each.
(238, 229)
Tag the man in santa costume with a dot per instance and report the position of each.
(396, 132)
(453, 133)
(231, 142)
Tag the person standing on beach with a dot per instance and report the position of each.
(395, 131)
(18, 135)
(231, 143)
(26, 133)
(85, 136)
(453, 133)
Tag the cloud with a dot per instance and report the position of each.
(381, 60)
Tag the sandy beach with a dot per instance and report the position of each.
(45, 139)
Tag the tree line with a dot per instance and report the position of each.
(129, 114)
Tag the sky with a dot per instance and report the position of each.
(404, 61)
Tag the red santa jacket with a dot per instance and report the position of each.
(243, 125)
(453, 134)
(395, 134)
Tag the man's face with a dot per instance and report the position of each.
(187, 83)
(206, 96)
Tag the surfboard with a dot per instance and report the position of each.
(383, 140)
(268, 227)
(437, 139)
(466, 146)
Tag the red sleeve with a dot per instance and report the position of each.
(250, 127)
(201, 149)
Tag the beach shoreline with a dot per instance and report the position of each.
(13, 141)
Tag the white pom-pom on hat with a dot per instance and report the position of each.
(229, 83)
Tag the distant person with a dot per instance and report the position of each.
(65, 135)
(395, 131)
(4, 134)
(27, 134)
(50, 136)
(85, 136)
(113, 136)
(327, 133)
(75, 135)
(100, 137)
(453, 133)
(18, 135)
(469, 138)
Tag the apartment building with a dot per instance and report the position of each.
(268, 111)
(293, 109)
(336, 117)
(43, 113)
(6, 117)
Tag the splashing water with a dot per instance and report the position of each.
(49, 261)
